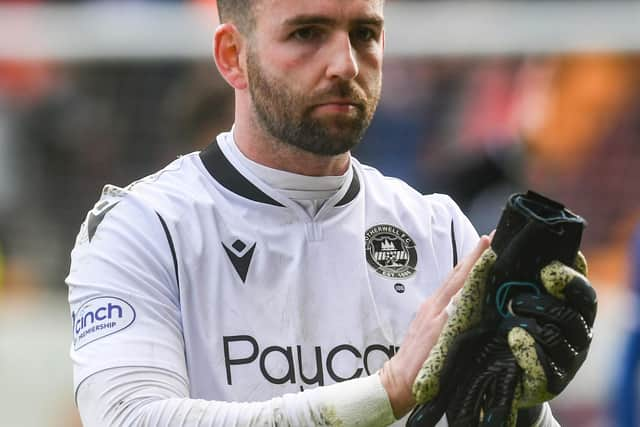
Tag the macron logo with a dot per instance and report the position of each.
(240, 256)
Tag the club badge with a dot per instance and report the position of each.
(390, 251)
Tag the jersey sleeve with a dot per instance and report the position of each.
(154, 397)
(123, 290)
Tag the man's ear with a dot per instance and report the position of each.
(228, 44)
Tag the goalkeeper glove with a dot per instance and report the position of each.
(517, 337)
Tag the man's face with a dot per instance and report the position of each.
(314, 71)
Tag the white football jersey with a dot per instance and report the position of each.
(204, 270)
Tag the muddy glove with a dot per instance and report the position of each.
(534, 325)
(450, 360)
(540, 345)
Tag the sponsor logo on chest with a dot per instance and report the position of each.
(301, 364)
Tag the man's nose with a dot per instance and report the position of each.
(342, 63)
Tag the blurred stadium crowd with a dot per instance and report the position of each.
(478, 129)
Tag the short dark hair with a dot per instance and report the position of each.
(239, 12)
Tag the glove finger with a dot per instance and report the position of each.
(580, 264)
(428, 414)
(527, 417)
(546, 309)
(491, 388)
(487, 399)
(499, 417)
(582, 296)
(499, 409)
(433, 378)
(465, 408)
(567, 284)
(467, 314)
(558, 353)
(534, 377)
(456, 370)
(468, 306)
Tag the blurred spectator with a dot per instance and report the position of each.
(200, 106)
(478, 160)
(103, 124)
(626, 397)
(22, 87)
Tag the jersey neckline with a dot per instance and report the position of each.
(226, 174)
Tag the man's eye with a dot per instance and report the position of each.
(364, 34)
(305, 34)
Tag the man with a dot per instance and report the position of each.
(227, 287)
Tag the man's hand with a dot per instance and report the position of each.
(399, 373)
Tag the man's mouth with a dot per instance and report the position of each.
(339, 105)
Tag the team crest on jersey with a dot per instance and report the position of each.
(390, 251)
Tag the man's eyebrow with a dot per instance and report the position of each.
(325, 20)
(370, 20)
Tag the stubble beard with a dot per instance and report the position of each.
(287, 116)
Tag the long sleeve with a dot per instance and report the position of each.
(142, 396)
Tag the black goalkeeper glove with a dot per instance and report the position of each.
(497, 364)
(539, 347)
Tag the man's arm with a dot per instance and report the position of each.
(149, 396)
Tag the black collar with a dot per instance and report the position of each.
(353, 190)
(229, 177)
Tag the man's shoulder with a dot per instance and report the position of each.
(167, 193)
(180, 178)
(382, 185)
(375, 180)
(176, 184)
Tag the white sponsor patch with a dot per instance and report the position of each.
(100, 317)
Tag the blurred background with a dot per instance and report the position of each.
(480, 99)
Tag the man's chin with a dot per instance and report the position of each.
(327, 143)
(339, 143)
(343, 135)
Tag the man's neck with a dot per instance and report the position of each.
(276, 154)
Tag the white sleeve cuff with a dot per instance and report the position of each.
(358, 402)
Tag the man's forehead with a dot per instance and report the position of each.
(283, 11)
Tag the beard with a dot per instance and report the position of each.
(287, 115)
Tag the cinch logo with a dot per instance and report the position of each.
(279, 365)
(100, 317)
